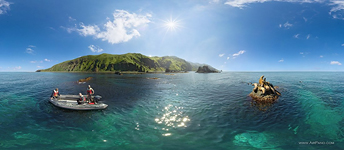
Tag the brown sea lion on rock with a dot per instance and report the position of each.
(255, 87)
(262, 89)
(258, 88)
(261, 81)
(273, 89)
(267, 87)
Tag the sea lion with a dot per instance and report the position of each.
(262, 89)
(261, 81)
(267, 88)
(274, 89)
(255, 87)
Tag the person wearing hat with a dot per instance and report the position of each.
(90, 92)
(55, 94)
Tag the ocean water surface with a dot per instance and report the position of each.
(182, 111)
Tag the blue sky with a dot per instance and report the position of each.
(232, 35)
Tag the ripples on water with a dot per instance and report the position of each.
(183, 111)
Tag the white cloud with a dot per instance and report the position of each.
(296, 36)
(87, 30)
(304, 54)
(4, 6)
(47, 60)
(282, 60)
(240, 3)
(335, 63)
(33, 62)
(338, 5)
(95, 48)
(39, 66)
(342, 44)
(243, 3)
(239, 53)
(220, 55)
(69, 30)
(304, 18)
(214, 1)
(71, 19)
(122, 29)
(17, 68)
(308, 36)
(29, 50)
(227, 58)
(321, 56)
(287, 25)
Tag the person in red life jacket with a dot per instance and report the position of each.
(90, 92)
(55, 94)
(81, 99)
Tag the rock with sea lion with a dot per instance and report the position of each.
(264, 91)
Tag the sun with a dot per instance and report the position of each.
(172, 24)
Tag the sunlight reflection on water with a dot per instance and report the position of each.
(172, 117)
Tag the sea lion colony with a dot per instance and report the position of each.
(264, 91)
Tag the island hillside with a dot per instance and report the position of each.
(207, 69)
(125, 62)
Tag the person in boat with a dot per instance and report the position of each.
(55, 94)
(90, 92)
(81, 99)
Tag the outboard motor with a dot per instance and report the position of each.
(97, 98)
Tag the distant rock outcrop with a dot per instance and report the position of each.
(118, 73)
(206, 69)
(84, 80)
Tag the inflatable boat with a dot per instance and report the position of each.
(70, 102)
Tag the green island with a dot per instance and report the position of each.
(125, 63)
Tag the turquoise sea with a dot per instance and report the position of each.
(186, 111)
